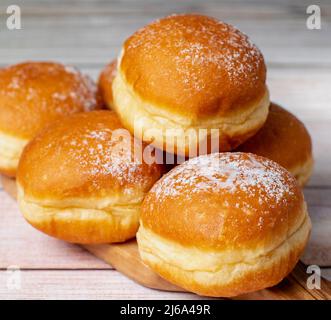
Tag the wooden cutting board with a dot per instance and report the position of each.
(124, 257)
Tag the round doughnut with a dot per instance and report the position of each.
(183, 73)
(80, 179)
(33, 94)
(284, 139)
(105, 83)
(224, 224)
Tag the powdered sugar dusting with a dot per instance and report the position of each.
(98, 154)
(53, 86)
(245, 175)
(206, 45)
(95, 149)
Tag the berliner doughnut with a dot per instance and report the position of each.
(284, 139)
(33, 94)
(184, 75)
(224, 224)
(80, 179)
(105, 83)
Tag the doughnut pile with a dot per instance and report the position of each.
(231, 219)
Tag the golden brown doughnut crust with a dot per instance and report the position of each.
(11, 173)
(79, 156)
(33, 94)
(105, 83)
(81, 225)
(224, 277)
(81, 179)
(283, 139)
(224, 224)
(194, 65)
(226, 200)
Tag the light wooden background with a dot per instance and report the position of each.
(89, 34)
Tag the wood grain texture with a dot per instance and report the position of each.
(318, 250)
(91, 32)
(22, 245)
(81, 284)
(125, 259)
(326, 273)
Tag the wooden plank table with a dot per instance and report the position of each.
(89, 34)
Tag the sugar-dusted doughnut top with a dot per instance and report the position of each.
(194, 65)
(225, 201)
(84, 156)
(33, 94)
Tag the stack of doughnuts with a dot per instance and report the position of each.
(231, 219)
